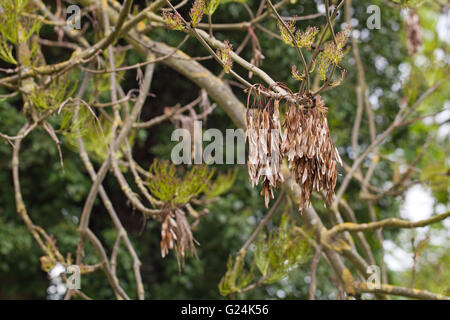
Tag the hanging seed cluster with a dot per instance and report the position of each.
(304, 141)
(176, 234)
(264, 137)
(168, 233)
(310, 151)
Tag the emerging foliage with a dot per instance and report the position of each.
(236, 278)
(225, 56)
(280, 252)
(285, 34)
(332, 53)
(167, 186)
(306, 39)
(275, 256)
(197, 11)
(173, 20)
(15, 27)
(221, 184)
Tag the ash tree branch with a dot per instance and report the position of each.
(387, 223)
(401, 291)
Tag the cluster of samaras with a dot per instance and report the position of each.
(303, 140)
(264, 138)
(176, 234)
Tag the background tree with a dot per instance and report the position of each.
(86, 133)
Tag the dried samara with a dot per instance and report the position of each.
(304, 141)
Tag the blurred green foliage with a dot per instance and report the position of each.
(55, 197)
